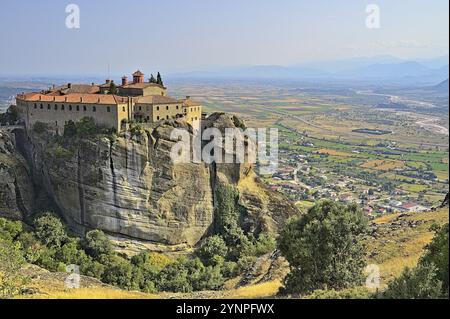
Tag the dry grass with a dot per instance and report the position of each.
(396, 249)
(333, 152)
(383, 165)
(264, 290)
(94, 293)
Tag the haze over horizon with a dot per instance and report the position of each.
(182, 36)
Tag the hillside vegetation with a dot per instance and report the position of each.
(395, 242)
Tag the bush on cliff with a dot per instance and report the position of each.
(324, 249)
(50, 230)
(97, 244)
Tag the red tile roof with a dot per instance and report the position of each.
(74, 98)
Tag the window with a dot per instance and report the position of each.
(62, 107)
(84, 108)
(48, 107)
(140, 108)
(123, 109)
(42, 106)
(35, 106)
(78, 107)
(167, 117)
(56, 107)
(94, 109)
(157, 108)
(157, 118)
(167, 107)
(178, 107)
(70, 107)
(108, 109)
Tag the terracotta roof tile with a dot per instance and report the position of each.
(75, 98)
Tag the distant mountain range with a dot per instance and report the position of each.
(441, 87)
(371, 69)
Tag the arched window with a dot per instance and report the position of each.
(94, 109)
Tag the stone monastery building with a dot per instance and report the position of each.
(110, 105)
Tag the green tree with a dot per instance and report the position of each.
(70, 129)
(96, 243)
(437, 254)
(118, 272)
(175, 278)
(159, 79)
(152, 79)
(112, 88)
(418, 283)
(50, 230)
(86, 127)
(227, 215)
(323, 248)
(9, 230)
(11, 261)
(212, 246)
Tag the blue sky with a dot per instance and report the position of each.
(184, 35)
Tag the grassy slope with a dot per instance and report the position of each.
(398, 242)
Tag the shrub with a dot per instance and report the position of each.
(86, 127)
(151, 260)
(50, 230)
(437, 253)
(119, 272)
(40, 127)
(324, 249)
(70, 129)
(46, 258)
(11, 261)
(174, 278)
(228, 214)
(350, 293)
(245, 264)
(9, 230)
(211, 248)
(96, 243)
(417, 283)
(266, 243)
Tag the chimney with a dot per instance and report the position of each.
(124, 80)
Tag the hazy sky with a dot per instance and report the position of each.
(183, 35)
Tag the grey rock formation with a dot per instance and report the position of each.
(128, 186)
(16, 187)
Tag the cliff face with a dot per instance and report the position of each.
(129, 187)
(16, 187)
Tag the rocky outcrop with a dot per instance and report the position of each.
(16, 187)
(128, 186)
